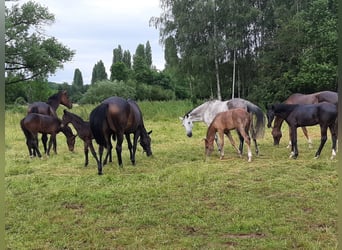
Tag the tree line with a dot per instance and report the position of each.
(259, 50)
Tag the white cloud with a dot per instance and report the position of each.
(94, 28)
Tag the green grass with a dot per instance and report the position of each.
(174, 199)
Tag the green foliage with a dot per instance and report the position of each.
(104, 89)
(119, 71)
(99, 72)
(30, 54)
(29, 92)
(281, 47)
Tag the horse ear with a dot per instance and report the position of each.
(149, 132)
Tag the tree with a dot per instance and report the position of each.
(127, 59)
(99, 72)
(78, 79)
(30, 54)
(117, 55)
(119, 71)
(148, 54)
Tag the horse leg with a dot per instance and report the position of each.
(229, 135)
(36, 148)
(44, 140)
(256, 146)
(306, 134)
(92, 150)
(334, 140)
(99, 161)
(221, 135)
(244, 134)
(294, 146)
(86, 150)
(119, 148)
(109, 152)
(217, 143)
(52, 138)
(54, 143)
(130, 148)
(323, 140)
(241, 141)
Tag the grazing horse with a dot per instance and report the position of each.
(49, 108)
(83, 131)
(323, 96)
(238, 119)
(117, 117)
(299, 115)
(34, 123)
(207, 111)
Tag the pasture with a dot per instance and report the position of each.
(174, 199)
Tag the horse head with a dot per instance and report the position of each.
(65, 99)
(208, 146)
(187, 123)
(145, 142)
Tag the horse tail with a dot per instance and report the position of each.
(258, 127)
(96, 119)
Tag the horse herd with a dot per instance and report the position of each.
(116, 118)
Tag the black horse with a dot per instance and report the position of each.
(83, 131)
(116, 117)
(49, 108)
(299, 115)
(34, 123)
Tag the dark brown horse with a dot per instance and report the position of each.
(118, 117)
(299, 115)
(34, 123)
(83, 131)
(49, 108)
(323, 96)
(223, 122)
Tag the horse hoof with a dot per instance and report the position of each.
(100, 173)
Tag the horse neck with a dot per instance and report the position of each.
(66, 131)
(77, 122)
(54, 102)
(284, 110)
(211, 133)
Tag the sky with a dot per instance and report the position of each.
(93, 28)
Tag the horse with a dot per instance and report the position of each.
(207, 111)
(34, 123)
(223, 122)
(83, 131)
(297, 98)
(50, 108)
(299, 115)
(117, 117)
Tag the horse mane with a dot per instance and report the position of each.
(77, 119)
(97, 118)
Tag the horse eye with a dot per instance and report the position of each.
(188, 122)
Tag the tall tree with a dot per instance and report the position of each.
(127, 59)
(99, 72)
(30, 53)
(117, 55)
(78, 79)
(148, 54)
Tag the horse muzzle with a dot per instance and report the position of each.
(189, 134)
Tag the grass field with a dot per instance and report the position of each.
(174, 199)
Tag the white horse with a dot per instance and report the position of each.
(207, 111)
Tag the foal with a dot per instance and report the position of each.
(238, 119)
(83, 131)
(34, 123)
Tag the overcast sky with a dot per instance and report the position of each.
(93, 28)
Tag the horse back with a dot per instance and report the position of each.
(38, 123)
(327, 96)
(41, 108)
